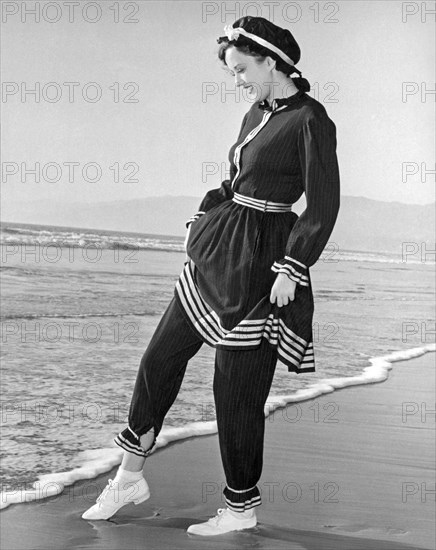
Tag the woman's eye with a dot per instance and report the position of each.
(231, 73)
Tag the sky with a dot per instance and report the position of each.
(167, 113)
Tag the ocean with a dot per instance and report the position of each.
(79, 306)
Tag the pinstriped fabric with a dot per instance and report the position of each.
(239, 402)
(251, 135)
(159, 378)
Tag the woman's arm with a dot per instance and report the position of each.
(211, 199)
(320, 171)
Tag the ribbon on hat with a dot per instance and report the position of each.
(233, 34)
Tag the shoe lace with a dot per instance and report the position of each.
(109, 487)
(216, 519)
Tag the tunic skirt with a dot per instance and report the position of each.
(245, 232)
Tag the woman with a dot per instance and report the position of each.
(245, 288)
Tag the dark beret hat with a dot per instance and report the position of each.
(281, 38)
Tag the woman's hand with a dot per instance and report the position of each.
(283, 290)
(185, 244)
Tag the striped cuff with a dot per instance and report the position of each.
(194, 217)
(239, 501)
(294, 269)
(129, 441)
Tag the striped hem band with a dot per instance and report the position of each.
(295, 352)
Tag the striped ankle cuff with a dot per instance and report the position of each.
(239, 501)
(129, 441)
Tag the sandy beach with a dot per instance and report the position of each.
(353, 469)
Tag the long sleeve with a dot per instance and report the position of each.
(320, 172)
(215, 196)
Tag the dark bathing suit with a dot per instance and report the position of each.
(245, 232)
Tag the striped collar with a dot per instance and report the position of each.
(280, 101)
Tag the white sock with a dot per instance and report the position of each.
(125, 475)
(242, 515)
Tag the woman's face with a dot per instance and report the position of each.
(255, 77)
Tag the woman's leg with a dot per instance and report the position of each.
(242, 382)
(158, 381)
(134, 463)
(241, 385)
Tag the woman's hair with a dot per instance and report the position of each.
(253, 49)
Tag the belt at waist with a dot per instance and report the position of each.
(264, 205)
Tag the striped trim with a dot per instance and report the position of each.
(294, 269)
(295, 352)
(127, 446)
(194, 217)
(133, 433)
(239, 501)
(264, 205)
(234, 32)
(295, 261)
(242, 506)
(129, 441)
(248, 138)
(204, 319)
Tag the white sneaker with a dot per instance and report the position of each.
(116, 495)
(223, 522)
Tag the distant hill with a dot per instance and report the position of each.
(363, 224)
